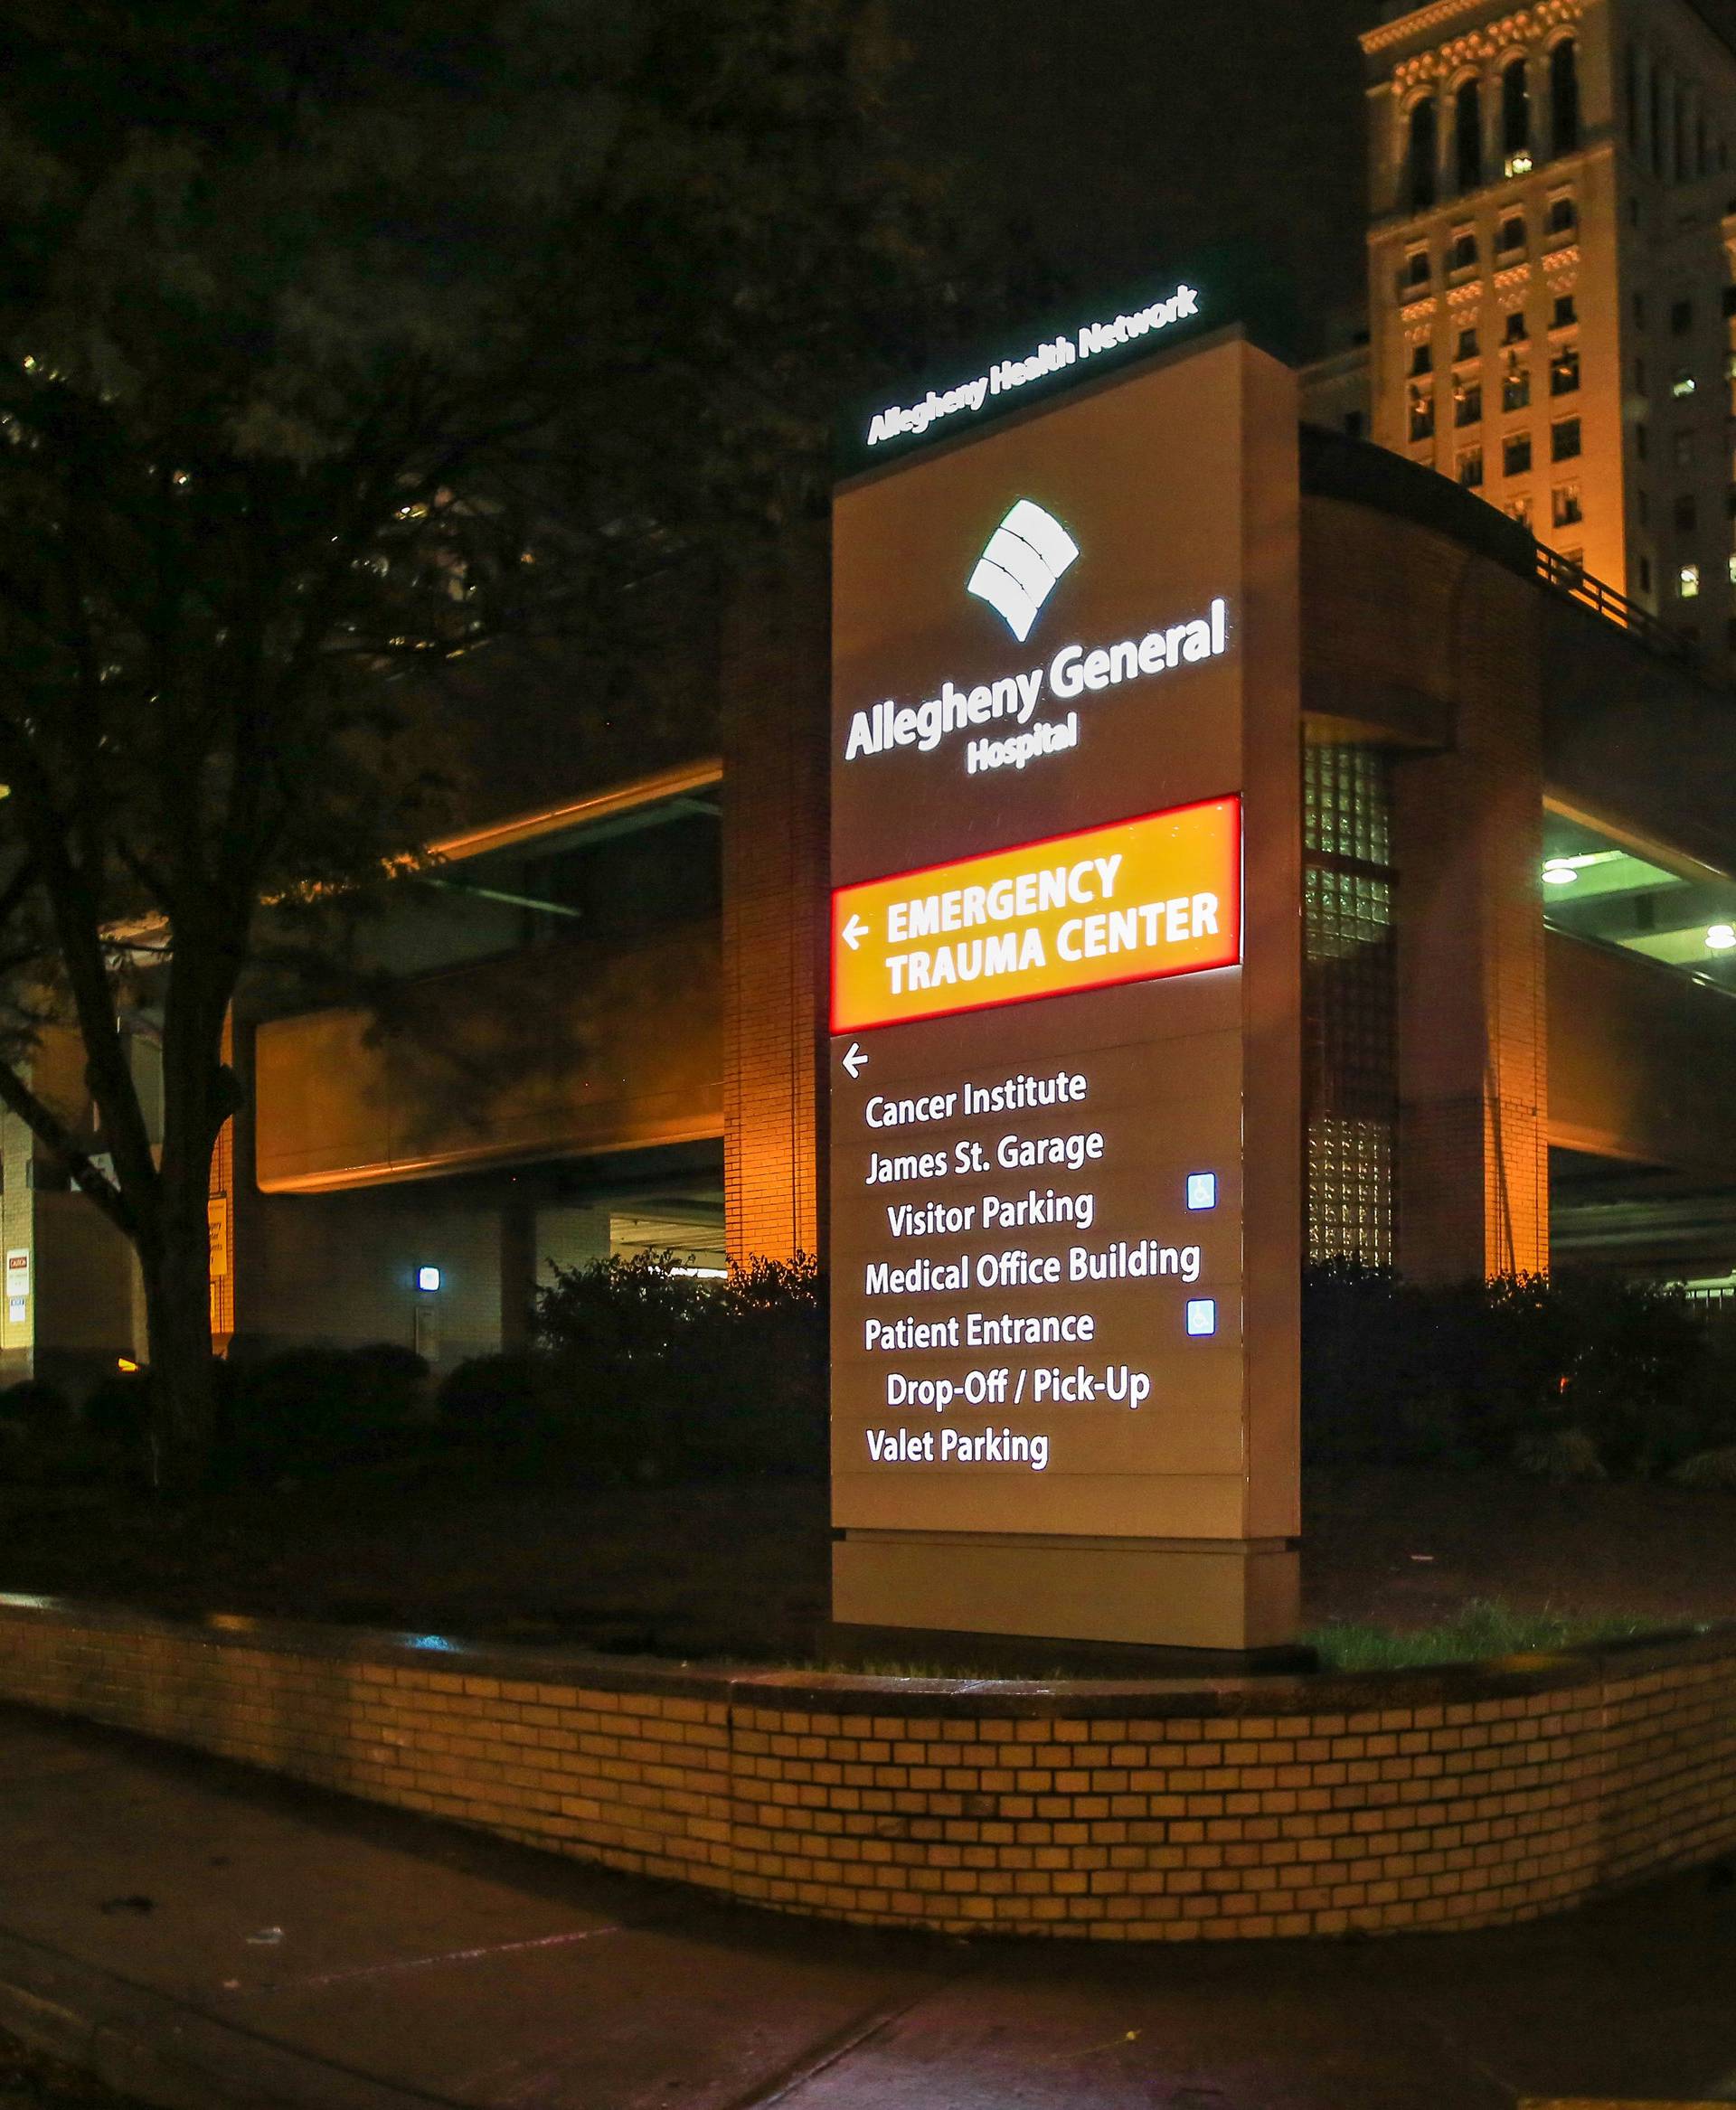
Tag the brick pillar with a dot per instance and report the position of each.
(775, 708)
(1473, 1075)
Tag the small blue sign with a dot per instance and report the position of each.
(1201, 1316)
(1202, 1189)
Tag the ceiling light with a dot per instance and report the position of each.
(1721, 939)
(1559, 873)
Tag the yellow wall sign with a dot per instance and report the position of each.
(1134, 901)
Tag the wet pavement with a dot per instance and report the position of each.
(317, 1950)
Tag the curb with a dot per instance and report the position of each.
(150, 2046)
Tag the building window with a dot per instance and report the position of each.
(1515, 332)
(1645, 575)
(1567, 510)
(1516, 113)
(1424, 156)
(1563, 216)
(1564, 372)
(1684, 384)
(1515, 386)
(1519, 509)
(1732, 568)
(1470, 467)
(1564, 440)
(1730, 300)
(1462, 255)
(1422, 414)
(1639, 311)
(1466, 346)
(1511, 234)
(1730, 501)
(1515, 454)
(1685, 449)
(1468, 403)
(1630, 92)
(1415, 269)
(1566, 312)
(1687, 513)
(1564, 97)
(1681, 317)
(1640, 377)
(1422, 359)
(1467, 125)
(1642, 442)
(1642, 508)
(1687, 582)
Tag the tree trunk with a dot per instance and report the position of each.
(174, 1254)
(176, 1268)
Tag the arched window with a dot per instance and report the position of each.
(1424, 156)
(1564, 97)
(1467, 121)
(1516, 107)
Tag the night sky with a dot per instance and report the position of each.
(1128, 131)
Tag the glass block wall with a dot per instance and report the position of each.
(1349, 1040)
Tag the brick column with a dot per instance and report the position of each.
(774, 707)
(1473, 1060)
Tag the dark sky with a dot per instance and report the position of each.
(1129, 132)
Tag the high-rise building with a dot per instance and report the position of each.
(1551, 312)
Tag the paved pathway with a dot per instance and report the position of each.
(205, 1936)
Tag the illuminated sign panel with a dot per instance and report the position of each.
(1065, 971)
(1131, 903)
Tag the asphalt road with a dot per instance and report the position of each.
(202, 1934)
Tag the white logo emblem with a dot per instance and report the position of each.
(1022, 565)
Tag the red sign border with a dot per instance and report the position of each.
(1232, 799)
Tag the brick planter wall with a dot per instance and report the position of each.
(1146, 1812)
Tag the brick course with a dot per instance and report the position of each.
(1267, 1807)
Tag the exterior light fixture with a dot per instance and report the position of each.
(1721, 939)
(1559, 873)
(428, 1278)
(1518, 164)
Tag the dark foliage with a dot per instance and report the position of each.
(643, 1372)
(1622, 1377)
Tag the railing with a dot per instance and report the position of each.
(1575, 581)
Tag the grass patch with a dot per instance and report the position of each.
(1479, 1631)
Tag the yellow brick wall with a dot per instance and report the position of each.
(1116, 1812)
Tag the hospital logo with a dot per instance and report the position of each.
(1022, 565)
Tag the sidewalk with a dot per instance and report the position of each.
(206, 1937)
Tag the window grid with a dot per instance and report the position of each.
(1350, 1009)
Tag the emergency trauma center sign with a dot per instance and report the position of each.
(1064, 1013)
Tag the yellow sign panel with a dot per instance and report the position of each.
(1134, 901)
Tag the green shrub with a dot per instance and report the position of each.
(1564, 1376)
(643, 1371)
(307, 1409)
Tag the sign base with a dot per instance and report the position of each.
(1235, 1594)
(1044, 1658)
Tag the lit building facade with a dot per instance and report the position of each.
(1551, 297)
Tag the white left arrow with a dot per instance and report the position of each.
(853, 932)
(855, 1061)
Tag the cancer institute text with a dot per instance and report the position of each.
(1013, 1250)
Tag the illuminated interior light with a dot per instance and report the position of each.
(703, 1274)
(1518, 164)
(1559, 873)
(428, 1278)
(1721, 939)
(125, 1362)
